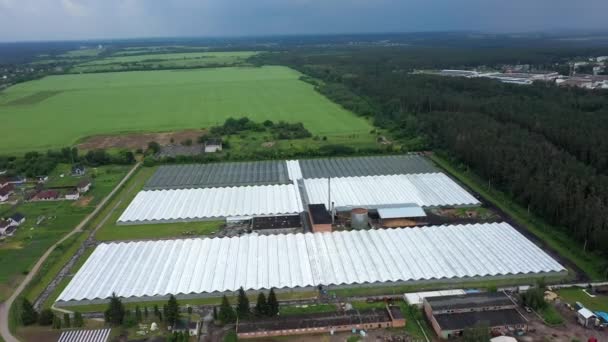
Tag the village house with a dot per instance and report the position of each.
(5, 192)
(46, 195)
(84, 186)
(6, 228)
(72, 195)
(16, 219)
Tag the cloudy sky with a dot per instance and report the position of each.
(82, 19)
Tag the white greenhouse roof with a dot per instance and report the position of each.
(197, 204)
(401, 211)
(97, 335)
(416, 298)
(196, 266)
(425, 190)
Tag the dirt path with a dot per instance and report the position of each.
(5, 307)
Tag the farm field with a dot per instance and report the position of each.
(165, 60)
(19, 252)
(67, 108)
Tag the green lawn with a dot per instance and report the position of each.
(67, 108)
(20, 252)
(572, 295)
(593, 265)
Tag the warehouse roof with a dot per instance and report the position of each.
(408, 210)
(426, 190)
(200, 204)
(218, 175)
(416, 298)
(193, 266)
(493, 318)
(365, 166)
(469, 301)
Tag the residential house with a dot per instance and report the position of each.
(72, 194)
(4, 181)
(78, 170)
(5, 226)
(84, 186)
(16, 219)
(46, 195)
(6, 191)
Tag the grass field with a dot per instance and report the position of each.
(105, 103)
(572, 295)
(20, 252)
(165, 60)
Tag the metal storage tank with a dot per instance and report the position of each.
(359, 218)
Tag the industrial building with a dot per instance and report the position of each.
(318, 323)
(450, 316)
(149, 270)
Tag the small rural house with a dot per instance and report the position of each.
(6, 228)
(84, 186)
(16, 219)
(78, 170)
(46, 195)
(586, 317)
(72, 195)
(5, 192)
(213, 145)
(42, 179)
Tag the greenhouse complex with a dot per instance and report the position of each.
(305, 225)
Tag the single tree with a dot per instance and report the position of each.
(242, 307)
(138, 315)
(261, 307)
(215, 313)
(29, 315)
(164, 311)
(56, 322)
(273, 304)
(189, 310)
(66, 320)
(172, 311)
(153, 147)
(46, 317)
(115, 314)
(226, 314)
(78, 321)
(478, 333)
(156, 312)
(146, 312)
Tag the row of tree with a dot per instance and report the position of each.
(265, 307)
(117, 315)
(38, 164)
(46, 317)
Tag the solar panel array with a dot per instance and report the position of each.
(195, 266)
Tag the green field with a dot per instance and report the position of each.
(165, 61)
(63, 109)
(575, 294)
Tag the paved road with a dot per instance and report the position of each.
(4, 307)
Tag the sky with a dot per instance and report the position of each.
(106, 19)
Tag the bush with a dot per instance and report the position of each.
(46, 317)
(29, 315)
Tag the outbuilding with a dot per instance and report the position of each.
(213, 145)
(84, 186)
(586, 317)
(72, 195)
(406, 215)
(16, 219)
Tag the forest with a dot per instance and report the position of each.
(543, 145)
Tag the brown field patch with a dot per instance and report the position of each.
(133, 141)
(83, 201)
(11, 245)
(34, 98)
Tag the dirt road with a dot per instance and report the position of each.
(4, 307)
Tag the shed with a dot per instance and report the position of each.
(213, 145)
(78, 170)
(84, 185)
(17, 219)
(585, 317)
(401, 216)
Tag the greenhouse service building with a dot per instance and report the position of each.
(188, 268)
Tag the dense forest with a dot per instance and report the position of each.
(545, 146)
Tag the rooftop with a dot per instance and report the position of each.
(319, 214)
(408, 210)
(460, 321)
(469, 301)
(218, 175)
